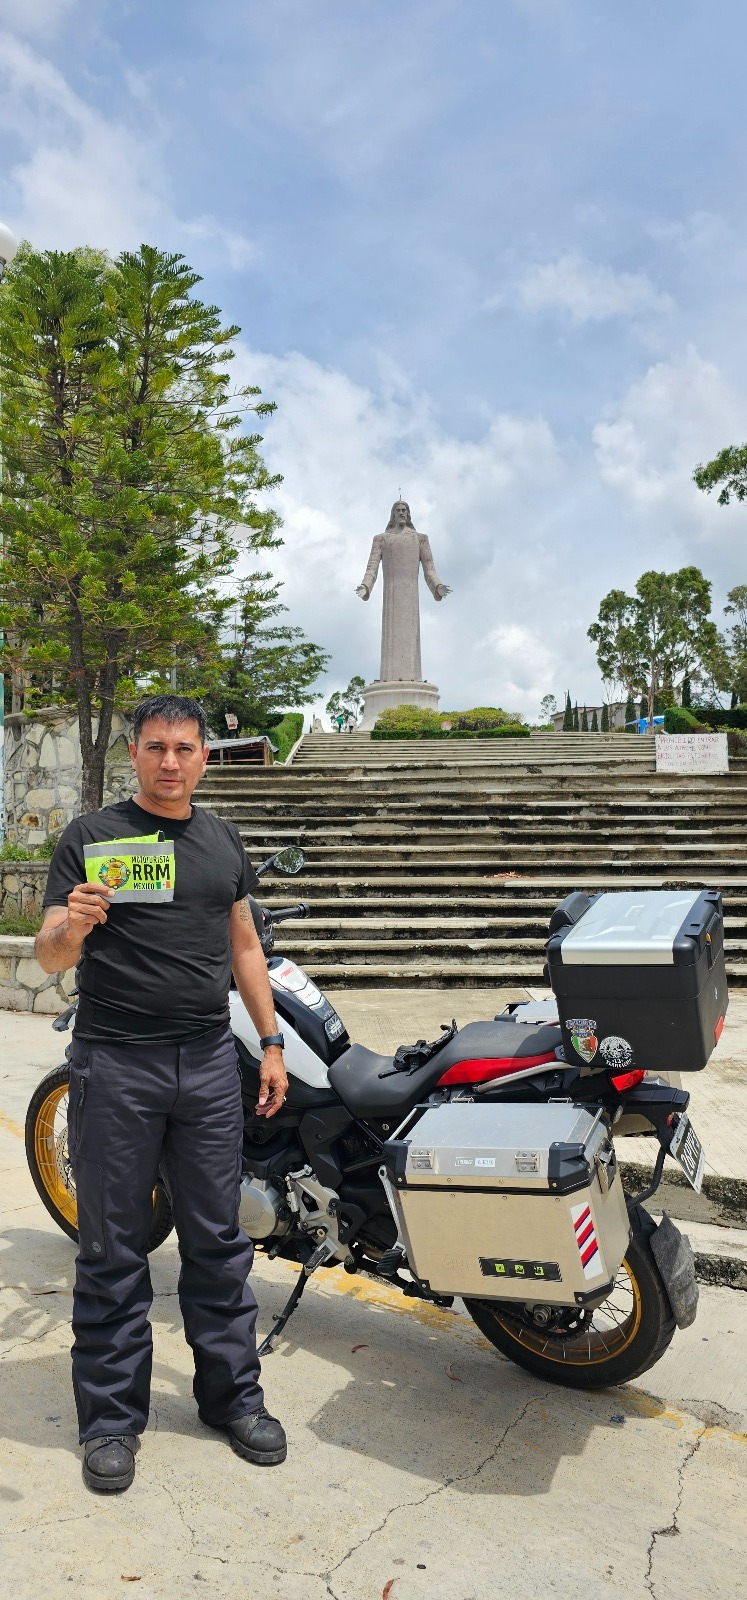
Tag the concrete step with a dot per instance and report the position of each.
(484, 830)
(423, 975)
(436, 864)
(455, 888)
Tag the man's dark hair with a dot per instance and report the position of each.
(172, 708)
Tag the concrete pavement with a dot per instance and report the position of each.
(418, 1457)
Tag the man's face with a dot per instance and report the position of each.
(169, 760)
(401, 516)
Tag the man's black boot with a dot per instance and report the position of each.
(256, 1436)
(109, 1461)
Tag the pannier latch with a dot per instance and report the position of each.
(606, 1166)
(527, 1161)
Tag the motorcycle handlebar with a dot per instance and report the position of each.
(288, 912)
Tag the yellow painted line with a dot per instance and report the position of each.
(9, 1126)
(364, 1290)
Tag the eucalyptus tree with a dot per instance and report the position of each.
(658, 635)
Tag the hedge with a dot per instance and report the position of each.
(286, 732)
(717, 717)
(507, 731)
(678, 719)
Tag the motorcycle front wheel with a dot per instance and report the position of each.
(49, 1161)
(625, 1336)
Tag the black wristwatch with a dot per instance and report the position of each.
(271, 1039)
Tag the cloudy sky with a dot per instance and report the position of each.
(490, 251)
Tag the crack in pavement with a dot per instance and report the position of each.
(673, 1530)
(20, 1344)
(178, 1509)
(408, 1505)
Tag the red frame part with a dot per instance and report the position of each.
(482, 1068)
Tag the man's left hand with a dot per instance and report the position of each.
(273, 1083)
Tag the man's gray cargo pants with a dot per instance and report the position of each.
(130, 1106)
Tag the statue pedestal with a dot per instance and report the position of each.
(381, 695)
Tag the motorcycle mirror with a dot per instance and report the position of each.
(289, 861)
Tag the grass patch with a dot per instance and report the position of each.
(20, 927)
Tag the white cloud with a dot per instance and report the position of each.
(487, 505)
(680, 413)
(35, 16)
(587, 292)
(529, 534)
(87, 179)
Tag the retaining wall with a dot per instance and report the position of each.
(24, 986)
(22, 886)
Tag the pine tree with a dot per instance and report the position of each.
(644, 708)
(584, 721)
(128, 480)
(575, 718)
(605, 718)
(629, 714)
(686, 690)
(568, 714)
(594, 723)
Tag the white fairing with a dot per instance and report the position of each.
(300, 1061)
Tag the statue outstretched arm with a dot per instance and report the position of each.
(369, 576)
(437, 588)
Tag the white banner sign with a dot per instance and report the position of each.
(692, 752)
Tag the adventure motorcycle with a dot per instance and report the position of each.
(481, 1165)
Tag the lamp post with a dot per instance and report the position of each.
(8, 249)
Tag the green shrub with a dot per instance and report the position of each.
(480, 718)
(29, 852)
(677, 719)
(736, 740)
(409, 722)
(285, 732)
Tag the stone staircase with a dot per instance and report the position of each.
(439, 862)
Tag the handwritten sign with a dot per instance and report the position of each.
(692, 752)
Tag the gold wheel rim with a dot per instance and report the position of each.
(592, 1345)
(47, 1156)
(47, 1149)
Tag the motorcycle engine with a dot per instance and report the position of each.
(261, 1209)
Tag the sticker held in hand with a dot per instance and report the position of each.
(136, 869)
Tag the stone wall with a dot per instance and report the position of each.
(22, 888)
(24, 986)
(43, 772)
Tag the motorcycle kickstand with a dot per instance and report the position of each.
(322, 1253)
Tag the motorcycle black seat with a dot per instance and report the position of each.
(357, 1075)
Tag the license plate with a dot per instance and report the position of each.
(688, 1151)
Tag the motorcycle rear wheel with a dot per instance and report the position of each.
(625, 1337)
(49, 1160)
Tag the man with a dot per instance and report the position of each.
(154, 1078)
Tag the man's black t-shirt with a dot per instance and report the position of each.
(157, 971)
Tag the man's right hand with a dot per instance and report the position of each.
(87, 905)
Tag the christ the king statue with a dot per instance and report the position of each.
(400, 551)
